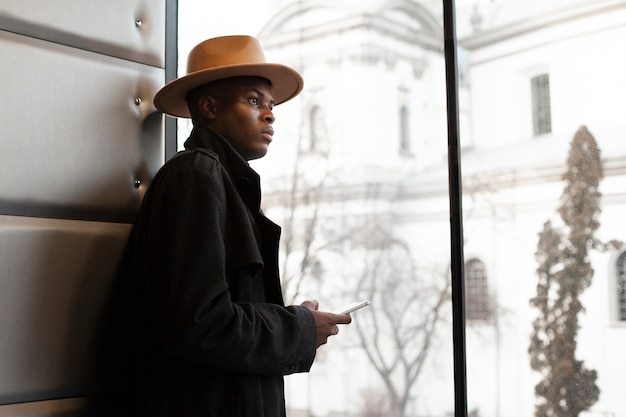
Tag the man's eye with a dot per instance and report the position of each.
(254, 100)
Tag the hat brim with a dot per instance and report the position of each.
(286, 83)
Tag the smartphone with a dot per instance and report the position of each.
(353, 307)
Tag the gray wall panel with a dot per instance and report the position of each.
(76, 139)
(129, 29)
(79, 143)
(57, 277)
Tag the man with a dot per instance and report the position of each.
(212, 332)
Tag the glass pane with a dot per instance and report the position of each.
(543, 162)
(620, 293)
(356, 176)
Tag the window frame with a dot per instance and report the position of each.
(456, 209)
(541, 105)
(478, 305)
(405, 131)
(617, 287)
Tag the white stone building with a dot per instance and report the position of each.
(371, 123)
(525, 55)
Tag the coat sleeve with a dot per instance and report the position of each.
(184, 282)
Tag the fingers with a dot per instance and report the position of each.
(323, 333)
(343, 319)
(327, 324)
(311, 304)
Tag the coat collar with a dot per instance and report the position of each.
(246, 180)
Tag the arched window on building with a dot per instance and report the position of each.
(405, 139)
(620, 287)
(478, 304)
(318, 132)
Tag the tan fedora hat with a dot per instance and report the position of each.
(225, 57)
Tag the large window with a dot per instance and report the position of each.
(540, 95)
(364, 221)
(318, 133)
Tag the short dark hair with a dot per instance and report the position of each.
(194, 96)
(214, 89)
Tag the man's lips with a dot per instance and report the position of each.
(268, 134)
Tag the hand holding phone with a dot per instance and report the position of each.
(353, 307)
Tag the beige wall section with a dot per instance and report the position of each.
(80, 141)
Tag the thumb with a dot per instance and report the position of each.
(311, 304)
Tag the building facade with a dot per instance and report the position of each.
(372, 148)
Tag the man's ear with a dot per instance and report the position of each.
(208, 106)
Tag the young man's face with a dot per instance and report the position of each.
(243, 115)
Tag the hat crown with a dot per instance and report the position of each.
(225, 51)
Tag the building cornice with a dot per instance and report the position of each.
(421, 29)
(537, 23)
(436, 186)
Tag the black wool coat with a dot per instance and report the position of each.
(212, 335)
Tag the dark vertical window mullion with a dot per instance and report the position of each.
(171, 71)
(456, 212)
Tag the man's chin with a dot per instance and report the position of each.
(257, 155)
